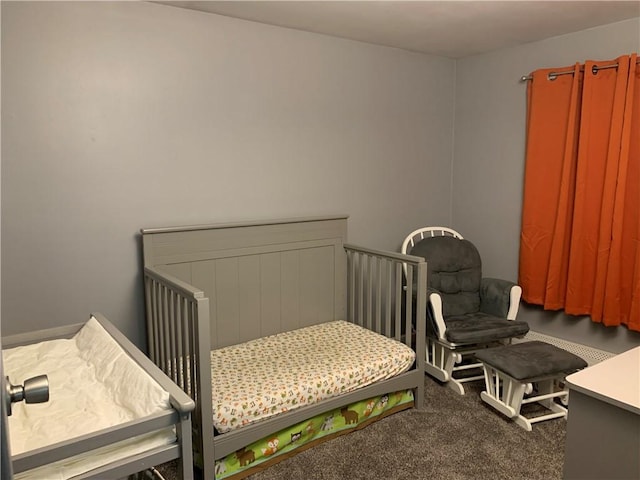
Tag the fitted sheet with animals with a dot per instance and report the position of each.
(255, 380)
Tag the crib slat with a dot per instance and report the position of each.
(165, 330)
(366, 312)
(378, 312)
(361, 277)
(388, 293)
(158, 303)
(172, 314)
(193, 363)
(182, 345)
(153, 320)
(157, 327)
(147, 304)
(408, 304)
(377, 298)
(178, 341)
(398, 303)
(351, 302)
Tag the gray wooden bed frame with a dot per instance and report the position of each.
(179, 417)
(210, 286)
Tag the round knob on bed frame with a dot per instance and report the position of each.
(35, 390)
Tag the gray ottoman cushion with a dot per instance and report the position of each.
(529, 360)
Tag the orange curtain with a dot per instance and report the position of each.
(581, 219)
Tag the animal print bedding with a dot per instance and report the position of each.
(310, 432)
(271, 375)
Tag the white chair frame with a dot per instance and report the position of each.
(422, 233)
(444, 358)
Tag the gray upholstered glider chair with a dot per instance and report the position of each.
(465, 311)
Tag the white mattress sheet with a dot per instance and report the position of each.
(255, 380)
(93, 384)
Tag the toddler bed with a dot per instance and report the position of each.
(111, 412)
(283, 335)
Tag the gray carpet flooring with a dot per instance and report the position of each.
(453, 438)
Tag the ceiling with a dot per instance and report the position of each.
(454, 28)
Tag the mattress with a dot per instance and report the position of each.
(255, 380)
(93, 384)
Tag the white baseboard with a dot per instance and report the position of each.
(589, 354)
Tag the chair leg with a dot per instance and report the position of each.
(456, 385)
(440, 364)
(439, 361)
(503, 393)
(506, 395)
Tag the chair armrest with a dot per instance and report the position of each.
(434, 301)
(500, 297)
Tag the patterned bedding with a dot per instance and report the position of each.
(312, 431)
(267, 376)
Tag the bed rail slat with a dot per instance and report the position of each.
(398, 294)
(408, 301)
(351, 287)
(165, 329)
(178, 324)
(376, 294)
(192, 359)
(387, 310)
(360, 282)
(171, 335)
(183, 351)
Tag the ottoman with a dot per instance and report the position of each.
(510, 373)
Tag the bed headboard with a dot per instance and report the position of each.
(260, 277)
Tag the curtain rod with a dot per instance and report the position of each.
(551, 75)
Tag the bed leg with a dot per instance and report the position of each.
(183, 432)
(419, 395)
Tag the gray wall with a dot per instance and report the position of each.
(488, 166)
(118, 116)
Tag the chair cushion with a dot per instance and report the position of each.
(454, 269)
(480, 328)
(529, 360)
